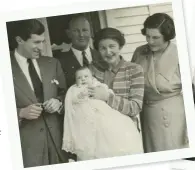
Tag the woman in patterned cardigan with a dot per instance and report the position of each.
(124, 78)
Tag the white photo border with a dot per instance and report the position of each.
(86, 6)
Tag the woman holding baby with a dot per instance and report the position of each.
(154, 75)
(124, 78)
(109, 111)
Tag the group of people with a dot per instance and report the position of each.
(90, 103)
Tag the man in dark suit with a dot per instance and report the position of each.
(40, 87)
(80, 53)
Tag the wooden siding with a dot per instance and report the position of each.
(130, 22)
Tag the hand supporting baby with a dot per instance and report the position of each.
(83, 94)
(95, 89)
(98, 92)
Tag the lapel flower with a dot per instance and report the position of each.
(54, 81)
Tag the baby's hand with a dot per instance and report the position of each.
(83, 94)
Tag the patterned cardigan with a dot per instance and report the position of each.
(128, 87)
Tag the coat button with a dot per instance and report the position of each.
(166, 125)
(42, 129)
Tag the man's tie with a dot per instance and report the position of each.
(37, 84)
(85, 61)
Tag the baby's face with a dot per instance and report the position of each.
(83, 77)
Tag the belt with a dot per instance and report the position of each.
(156, 101)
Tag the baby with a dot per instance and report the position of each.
(84, 79)
(92, 129)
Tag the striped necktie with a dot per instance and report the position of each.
(85, 60)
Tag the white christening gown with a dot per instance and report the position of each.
(92, 129)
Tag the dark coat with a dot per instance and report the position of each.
(70, 64)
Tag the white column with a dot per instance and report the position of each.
(47, 50)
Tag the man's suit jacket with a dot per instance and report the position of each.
(70, 64)
(32, 132)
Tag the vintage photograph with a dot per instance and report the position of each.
(97, 84)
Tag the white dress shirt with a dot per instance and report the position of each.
(22, 61)
(79, 55)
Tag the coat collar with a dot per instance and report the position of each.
(167, 63)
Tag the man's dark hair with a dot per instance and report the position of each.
(23, 29)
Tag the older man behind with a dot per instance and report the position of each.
(80, 53)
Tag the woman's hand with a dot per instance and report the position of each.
(98, 92)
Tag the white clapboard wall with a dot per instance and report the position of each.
(130, 21)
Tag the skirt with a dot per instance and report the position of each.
(164, 125)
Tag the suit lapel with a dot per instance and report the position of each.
(20, 80)
(73, 58)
